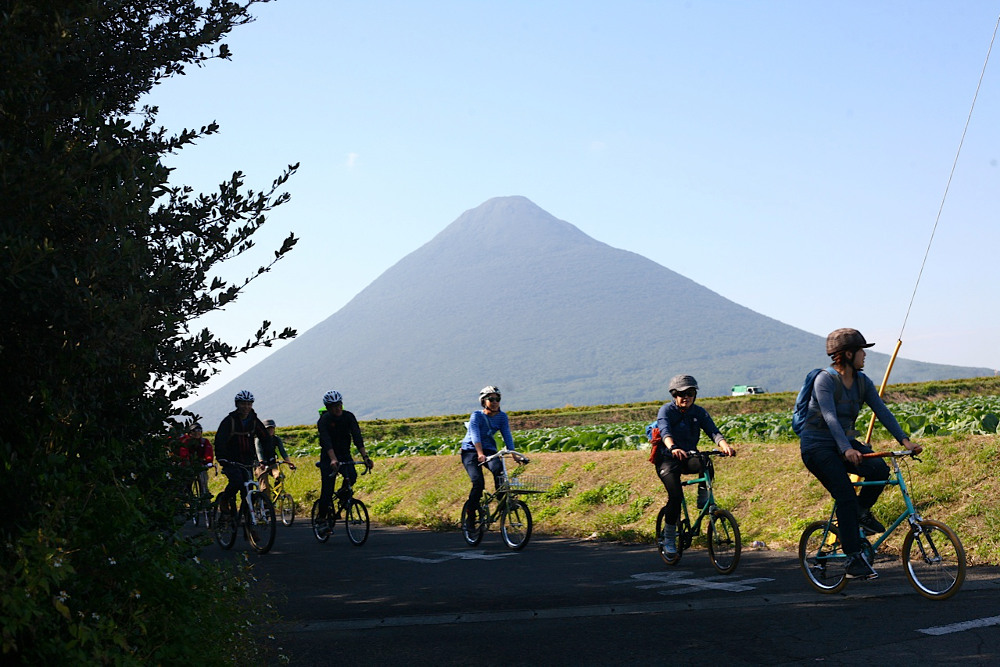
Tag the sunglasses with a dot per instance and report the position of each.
(493, 398)
(690, 393)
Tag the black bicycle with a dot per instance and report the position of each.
(343, 505)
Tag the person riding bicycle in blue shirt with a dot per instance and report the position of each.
(234, 443)
(479, 443)
(681, 423)
(830, 449)
(337, 429)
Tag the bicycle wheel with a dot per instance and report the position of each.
(934, 560)
(357, 522)
(223, 524)
(286, 507)
(660, 521)
(473, 527)
(818, 556)
(260, 522)
(196, 501)
(321, 529)
(724, 543)
(515, 524)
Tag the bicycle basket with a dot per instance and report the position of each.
(530, 483)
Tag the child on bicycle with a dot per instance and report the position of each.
(267, 450)
(681, 423)
(478, 444)
(337, 429)
(830, 449)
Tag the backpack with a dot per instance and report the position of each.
(655, 439)
(801, 410)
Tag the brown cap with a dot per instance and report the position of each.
(845, 339)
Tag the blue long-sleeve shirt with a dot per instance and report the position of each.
(831, 420)
(482, 428)
(685, 428)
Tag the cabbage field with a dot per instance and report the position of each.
(977, 415)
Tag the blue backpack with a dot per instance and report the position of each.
(801, 410)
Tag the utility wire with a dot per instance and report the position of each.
(954, 164)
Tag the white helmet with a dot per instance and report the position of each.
(332, 397)
(487, 391)
(244, 396)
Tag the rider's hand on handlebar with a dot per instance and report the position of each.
(521, 458)
(853, 456)
(678, 453)
(727, 449)
(912, 446)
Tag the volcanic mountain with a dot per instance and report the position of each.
(566, 320)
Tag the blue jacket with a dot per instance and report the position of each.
(482, 429)
(685, 427)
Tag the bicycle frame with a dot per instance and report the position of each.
(710, 506)
(910, 514)
(489, 499)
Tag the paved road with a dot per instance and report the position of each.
(416, 598)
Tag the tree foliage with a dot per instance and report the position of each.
(104, 264)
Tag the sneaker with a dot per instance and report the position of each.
(670, 540)
(870, 524)
(858, 568)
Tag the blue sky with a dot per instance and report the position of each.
(791, 156)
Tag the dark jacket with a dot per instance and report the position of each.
(234, 441)
(336, 433)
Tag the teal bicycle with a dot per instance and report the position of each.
(723, 533)
(933, 557)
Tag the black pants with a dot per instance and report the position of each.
(670, 471)
(328, 481)
(470, 459)
(832, 471)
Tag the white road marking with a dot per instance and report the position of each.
(961, 627)
(682, 582)
(453, 555)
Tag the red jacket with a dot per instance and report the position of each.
(192, 449)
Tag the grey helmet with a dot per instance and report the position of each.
(486, 391)
(243, 396)
(682, 383)
(332, 397)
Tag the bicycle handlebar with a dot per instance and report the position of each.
(894, 455)
(714, 452)
(521, 458)
(333, 473)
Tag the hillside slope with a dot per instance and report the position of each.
(507, 294)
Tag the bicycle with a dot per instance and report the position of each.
(202, 503)
(255, 515)
(354, 511)
(280, 498)
(723, 533)
(933, 557)
(512, 513)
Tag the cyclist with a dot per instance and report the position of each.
(337, 429)
(234, 443)
(831, 451)
(478, 444)
(267, 450)
(196, 449)
(681, 423)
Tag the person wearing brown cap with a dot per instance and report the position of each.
(681, 423)
(830, 448)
